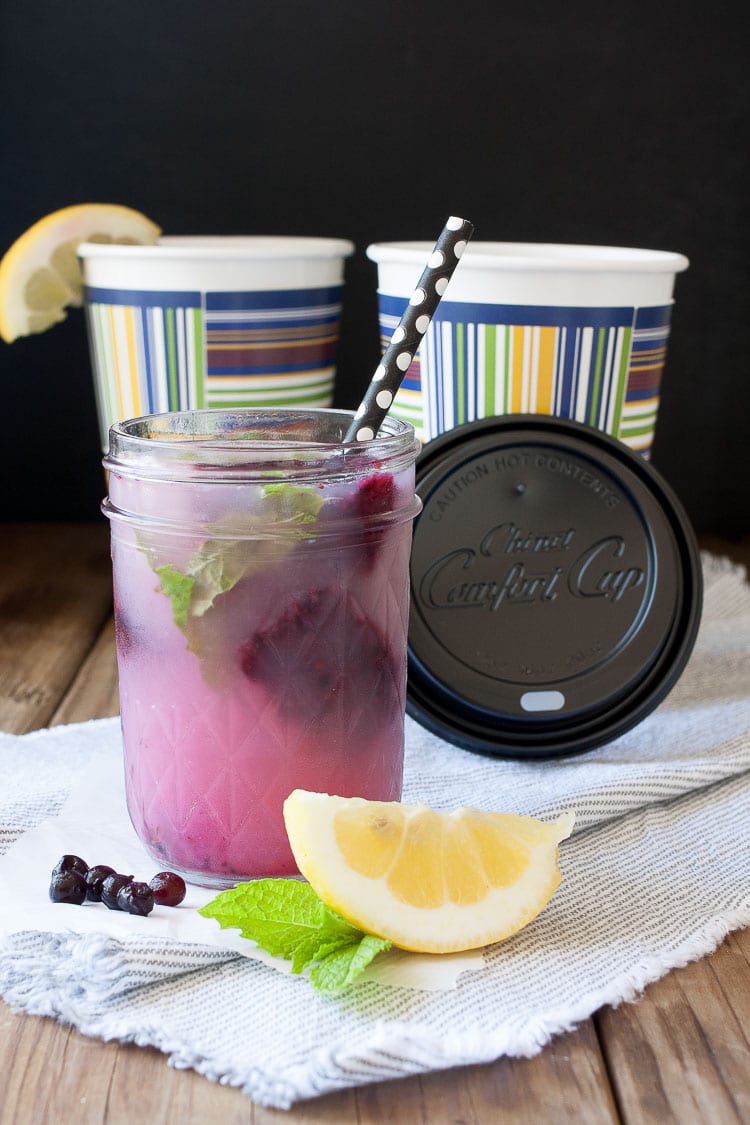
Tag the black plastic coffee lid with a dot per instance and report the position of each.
(556, 588)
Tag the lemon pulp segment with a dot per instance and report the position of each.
(426, 880)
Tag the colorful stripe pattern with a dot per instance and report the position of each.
(647, 357)
(158, 351)
(598, 366)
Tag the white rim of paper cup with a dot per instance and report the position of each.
(206, 246)
(540, 256)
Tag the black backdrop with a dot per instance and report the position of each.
(619, 124)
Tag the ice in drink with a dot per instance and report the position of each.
(261, 613)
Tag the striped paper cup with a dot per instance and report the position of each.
(530, 328)
(203, 321)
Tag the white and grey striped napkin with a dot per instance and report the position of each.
(655, 875)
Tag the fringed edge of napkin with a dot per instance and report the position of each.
(388, 1051)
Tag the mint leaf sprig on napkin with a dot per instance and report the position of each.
(287, 919)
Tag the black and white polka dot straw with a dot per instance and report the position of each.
(411, 328)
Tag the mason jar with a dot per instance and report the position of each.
(261, 589)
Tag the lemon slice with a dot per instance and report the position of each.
(40, 275)
(428, 881)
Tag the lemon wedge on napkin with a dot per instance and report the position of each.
(430, 882)
(40, 275)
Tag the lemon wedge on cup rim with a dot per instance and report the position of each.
(428, 881)
(40, 275)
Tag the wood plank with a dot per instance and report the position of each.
(140, 1086)
(52, 1070)
(682, 1053)
(55, 594)
(567, 1082)
(339, 1108)
(53, 1073)
(93, 693)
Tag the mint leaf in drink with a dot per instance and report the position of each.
(179, 588)
(294, 503)
(209, 573)
(220, 563)
(217, 567)
(286, 918)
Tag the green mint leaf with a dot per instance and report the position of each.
(340, 968)
(220, 564)
(286, 918)
(209, 573)
(179, 588)
(293, 503)
(217, 567)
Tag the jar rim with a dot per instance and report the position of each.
(253, 443)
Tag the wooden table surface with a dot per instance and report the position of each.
(681, 1053)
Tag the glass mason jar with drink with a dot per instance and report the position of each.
(261, 578)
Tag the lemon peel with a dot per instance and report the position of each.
(428, 881)
(40, 275)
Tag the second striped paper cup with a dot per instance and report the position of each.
(536, 328)
(196, 322)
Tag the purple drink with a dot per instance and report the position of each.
(261, 605)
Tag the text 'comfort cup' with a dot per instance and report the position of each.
(579, 332)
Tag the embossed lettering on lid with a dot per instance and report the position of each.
(556, 587)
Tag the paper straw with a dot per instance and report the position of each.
(408, 334)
